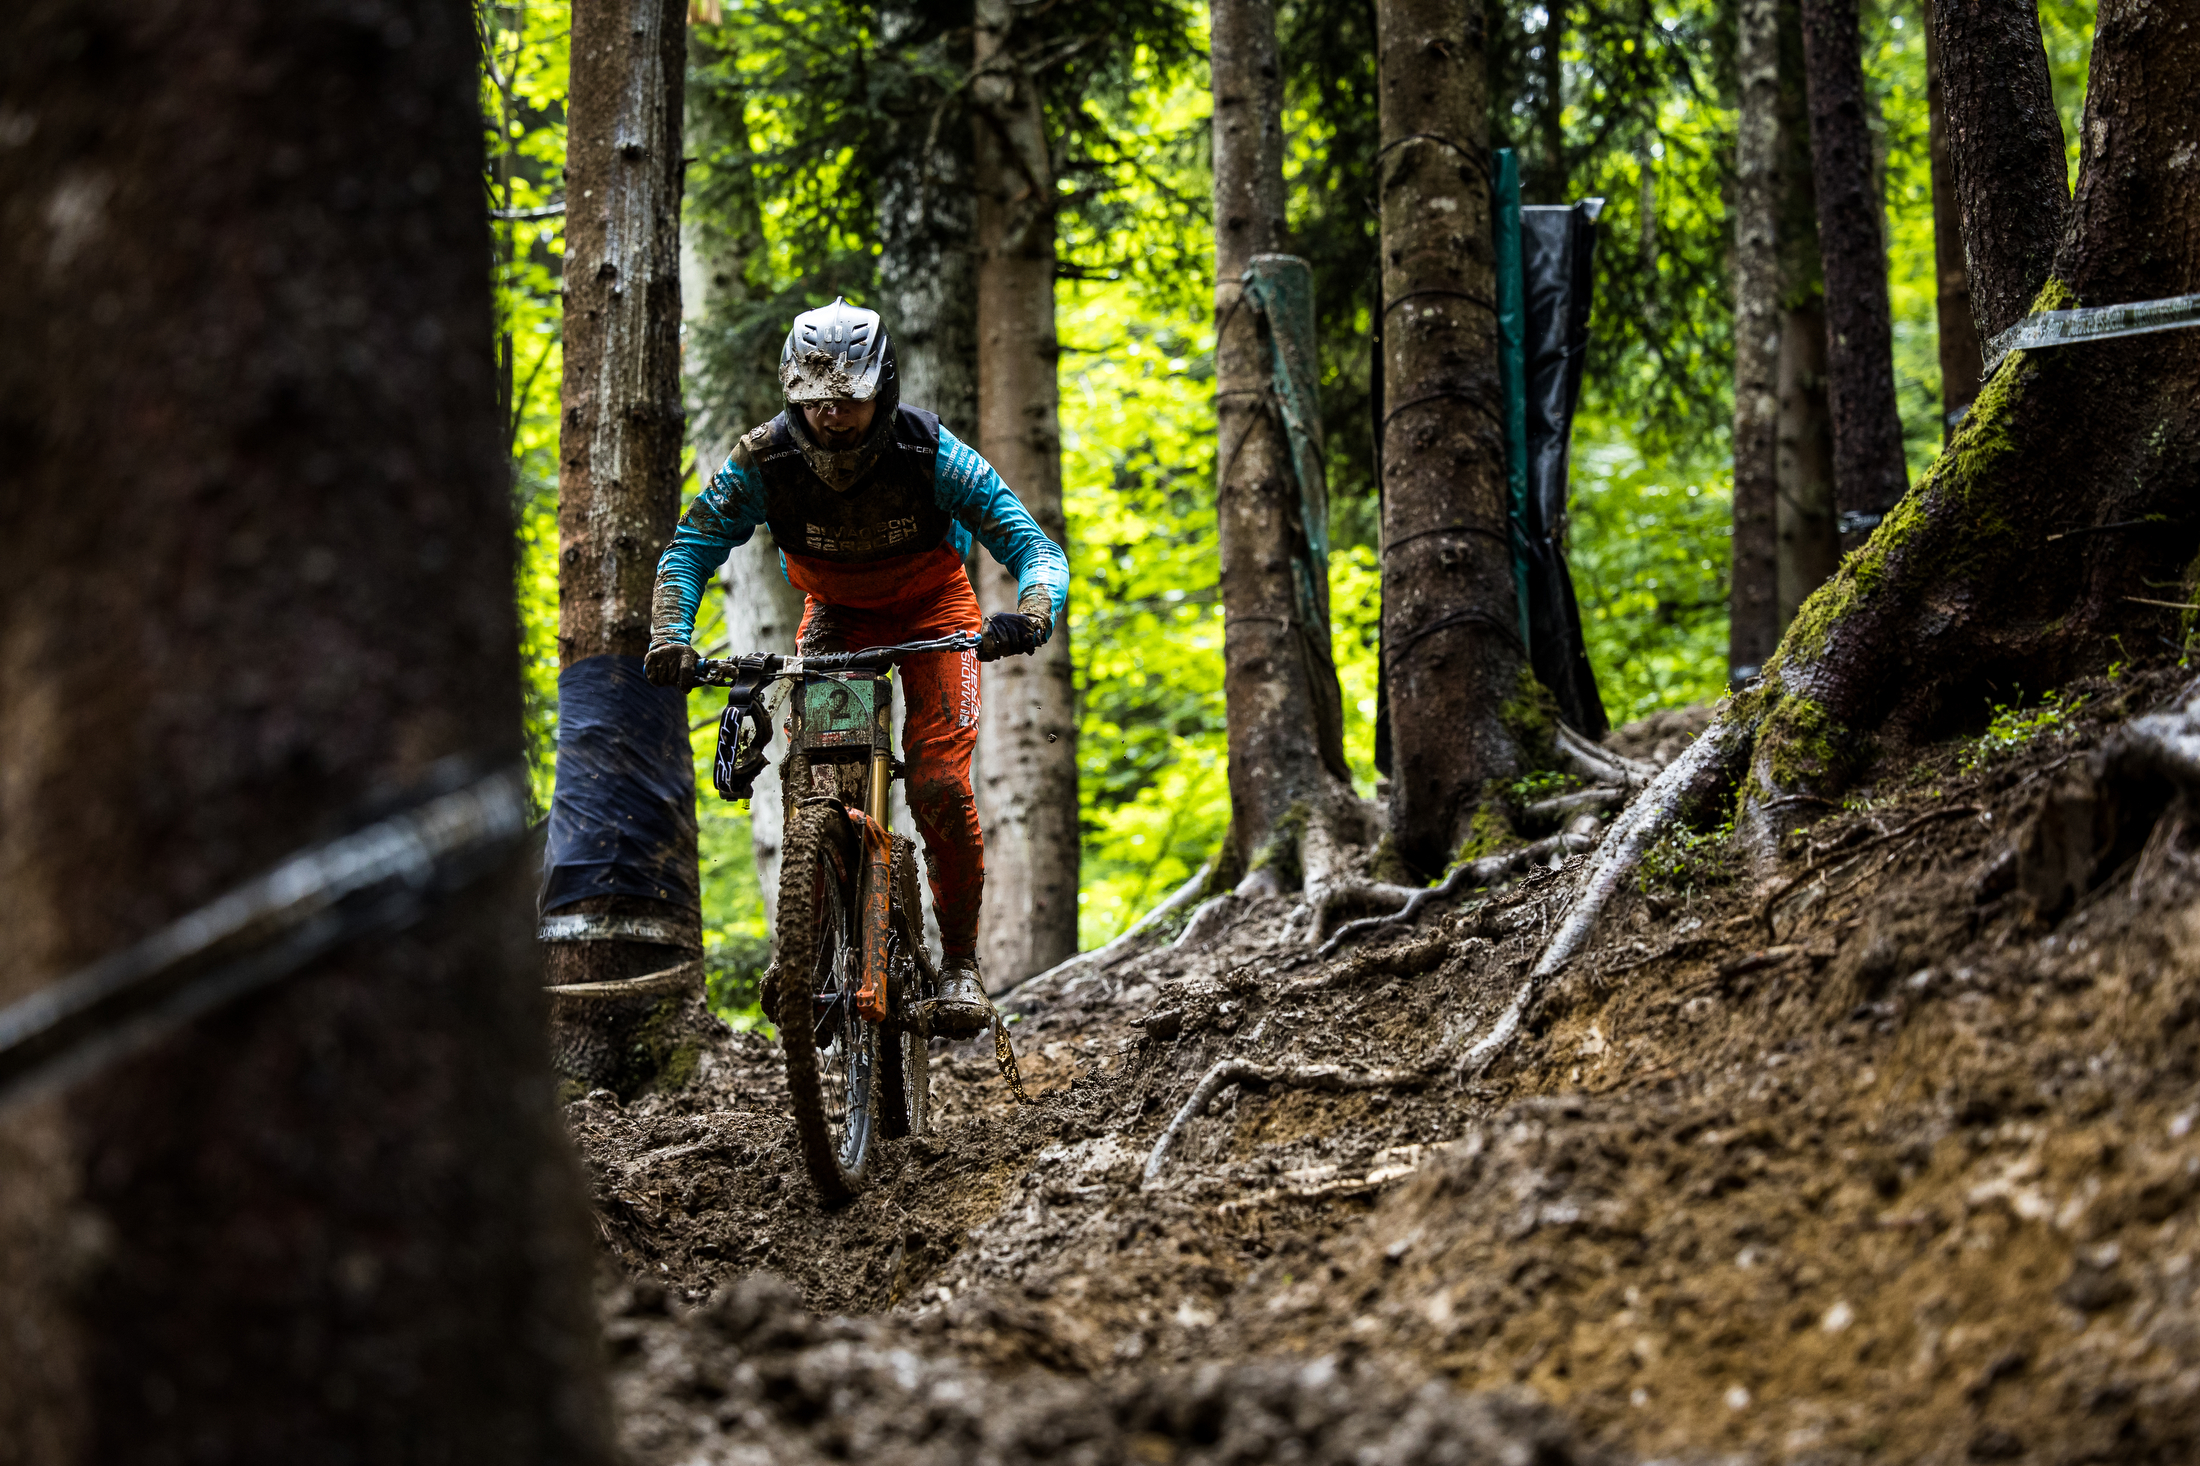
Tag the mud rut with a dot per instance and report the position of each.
(1901, 1173)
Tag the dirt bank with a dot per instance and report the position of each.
(1888, 1168)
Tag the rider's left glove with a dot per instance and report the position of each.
(670, 664)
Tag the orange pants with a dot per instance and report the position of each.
(915, 599)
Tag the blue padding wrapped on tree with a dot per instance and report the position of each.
(623, 815)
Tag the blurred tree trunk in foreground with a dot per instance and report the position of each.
(1027, 740)
(1452, 652)
(337, 1220)
(620, 438)
(1869, 472)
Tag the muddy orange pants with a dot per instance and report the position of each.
(852, 607)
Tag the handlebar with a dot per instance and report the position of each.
(725, 671)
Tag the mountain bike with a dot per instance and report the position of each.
(852, 981)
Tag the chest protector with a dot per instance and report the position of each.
(889, 512)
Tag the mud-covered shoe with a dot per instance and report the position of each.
(961, 1010)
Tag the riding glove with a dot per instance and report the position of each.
(670, 664)
(1016, 633)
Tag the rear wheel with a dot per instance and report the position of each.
(833, 1070)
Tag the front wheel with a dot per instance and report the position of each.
(833, 1068)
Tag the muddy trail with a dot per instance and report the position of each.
(1860, 1158)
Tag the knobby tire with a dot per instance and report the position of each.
(809, 883)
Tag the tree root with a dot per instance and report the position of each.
(1599, 765)
(1484, 872)
(1135, 939)
(1631, 834)
(1227, 1072)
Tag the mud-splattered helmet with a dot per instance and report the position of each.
(838, 350)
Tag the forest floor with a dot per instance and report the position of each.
(1853, 1160)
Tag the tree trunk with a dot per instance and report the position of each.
(1285, 711)
(2006, 145)
(336, 1220)
(1961, 364)
(1451, 639)
(1027, 740)
(1869, 473)
(1973, 586)
(1804, 520)
(620, 437)
(1810, 541)
(928, 263)
(1753, 627)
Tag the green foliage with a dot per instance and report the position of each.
(526, 55)
(1683, 862)
(2014, 725)
(1542, 784)
(1649, 560)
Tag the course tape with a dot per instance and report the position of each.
(2093, 323)
(378, 879)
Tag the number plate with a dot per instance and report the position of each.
(842, 714)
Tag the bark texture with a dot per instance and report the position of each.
(1810, 540)
(1804, 521)
(1869, 473)
(1973, 585)
(1284, 709)
(1753, 624)
(619, 437)
(1961, 364)
(337, 1220)
(928, 262)
(1451, 643)
(2006, 147)
(1027, 740)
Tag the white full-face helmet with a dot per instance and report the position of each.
(837, 350)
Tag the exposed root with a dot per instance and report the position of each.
(1227, 1072)
(1629, 836)
(1551, 811)
(1412, 899)
(1600, 765)
(1135, 939)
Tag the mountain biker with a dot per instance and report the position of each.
(874, 504)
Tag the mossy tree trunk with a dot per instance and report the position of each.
(1452, 651)
(1974, 584)
(1280, 689)
(336, 1220)
(1804, 520)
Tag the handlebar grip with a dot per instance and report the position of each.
(989, 649)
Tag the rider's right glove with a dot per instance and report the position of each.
(670, 664)
(1015, 634)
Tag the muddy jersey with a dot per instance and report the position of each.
(892, 510)
(925, 500)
